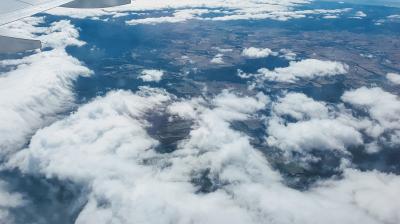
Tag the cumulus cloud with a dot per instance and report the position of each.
(128, 181)
(299, 123)
(88, 13)
(104, 147)
(300, 107)
(253, 52)
(177, 17)
(151, 75)
(324, 134)
(356, 198)
(324, 13)
(187, 9)
(107, 143)
(288, 54)
(308, 68)
(304, 69)
(37, 87)
(8, 201)
(368, 191)
(360, 14)
(316, 126)
(330, 17)
(58, 35)
(382, 107)
(218, 59)
(220, 10)
(393, 17)
(394, 78)
(25, 28)
(107, 125)
(223, 50)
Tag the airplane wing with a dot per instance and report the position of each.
(12, 10)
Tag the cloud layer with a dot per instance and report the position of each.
(299, 123)
(8, 201)
(214, 176)
(253, 52)
(39, 86)
(217, 10)
(383, 109)
(394, 78)
(151, 75)
(316, 126)
(304, 69)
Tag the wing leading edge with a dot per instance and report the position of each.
(13, 10)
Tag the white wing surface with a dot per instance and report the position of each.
(12, 10)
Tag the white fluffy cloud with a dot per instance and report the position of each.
(316, 126)
(8, 201)
(383, 108)
(58, 35)
(37, 87)
(300, 107)
(177, 17)
(330, 17)
(183, 9)
(128, 181)
(288, 54)
(308, 68)
(201, 10)
(369, 192)
(320, 134)
(360, 14)
(26, 28)
(394, 78)
(304, 69)
(393, 17)
(218, 59)
(253, 52)
(151, 75)
(108, 145)
(103, 145)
